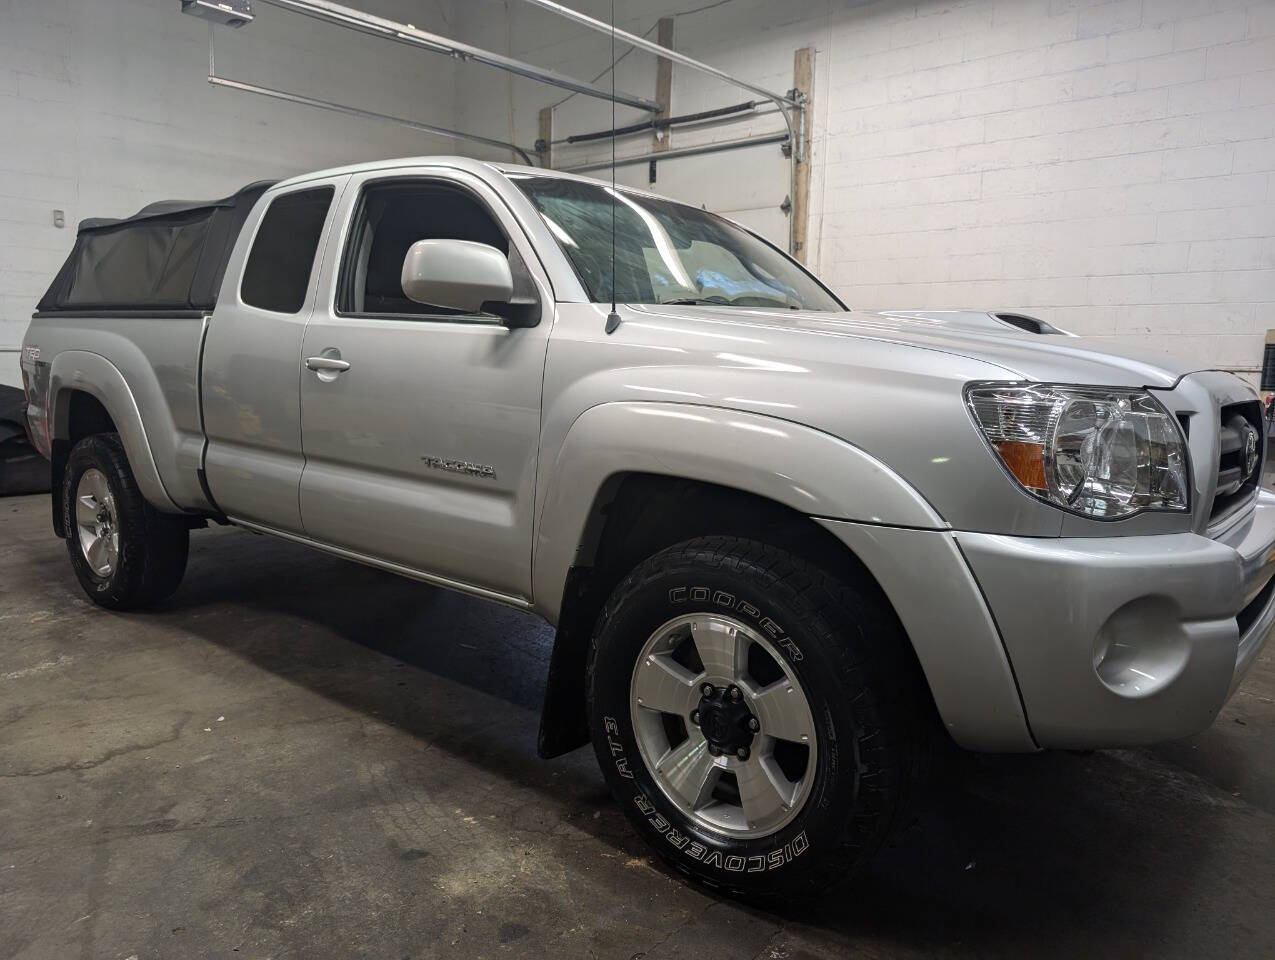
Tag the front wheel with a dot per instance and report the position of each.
(125, 553)
(754, 716)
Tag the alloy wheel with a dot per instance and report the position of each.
(96, 523)
(723, 725)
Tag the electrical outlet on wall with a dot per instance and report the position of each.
(59, 218)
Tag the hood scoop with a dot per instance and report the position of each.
(990, 320)
(1030, 324)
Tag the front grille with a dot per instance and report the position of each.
(1237, 479)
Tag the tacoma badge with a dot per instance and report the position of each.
(461, 466)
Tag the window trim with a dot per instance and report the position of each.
(344, 262)
(316, 259)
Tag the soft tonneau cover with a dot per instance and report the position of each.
(169, 256)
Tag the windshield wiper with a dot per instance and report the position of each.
(703, 301)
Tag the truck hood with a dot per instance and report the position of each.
(976, 335)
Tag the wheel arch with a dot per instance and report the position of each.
(636, 514)
(88, 394)
(809, 471)
(79, 414)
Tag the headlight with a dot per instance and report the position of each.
(1094, 451)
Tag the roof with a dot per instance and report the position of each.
(478, 167)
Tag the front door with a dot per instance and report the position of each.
(421, 426)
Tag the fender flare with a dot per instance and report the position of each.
(91, 373)
(813, 472)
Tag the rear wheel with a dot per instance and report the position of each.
(754, 716)
(125, 553)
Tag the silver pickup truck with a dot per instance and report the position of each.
(782, 542)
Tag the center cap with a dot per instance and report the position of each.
(727, 724)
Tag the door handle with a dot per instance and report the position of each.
(326, 363)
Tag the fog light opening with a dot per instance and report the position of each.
(1142, 647)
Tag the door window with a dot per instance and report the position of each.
(277, 274)
(393, 216)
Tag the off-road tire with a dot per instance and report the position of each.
(152, 545)
(848, 653)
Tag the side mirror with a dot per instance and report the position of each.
(456, 274)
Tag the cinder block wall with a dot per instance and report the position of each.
(1108, 166)
(104, 108)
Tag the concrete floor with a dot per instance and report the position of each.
(301, 757)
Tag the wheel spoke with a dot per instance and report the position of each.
(690, 771)
(664, 684)
(721, 649)
(98, 487)
(112, 549)
(783, 712)
(96, 554)
(86, 510)
(764, 792)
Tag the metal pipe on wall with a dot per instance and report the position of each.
(367, 114)
(704, 148)
(731, 113)
(407, 33)
(633, 40)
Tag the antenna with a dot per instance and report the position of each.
(613, 318)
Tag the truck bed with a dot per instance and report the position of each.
(169, 256)
(135, 294)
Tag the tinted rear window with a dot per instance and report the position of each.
(278, 269)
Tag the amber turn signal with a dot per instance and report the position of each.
(1026, 461)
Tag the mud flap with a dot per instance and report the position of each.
(564, 723)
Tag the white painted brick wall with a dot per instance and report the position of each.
(1108, 166)
(1124, 169)
(104, 107)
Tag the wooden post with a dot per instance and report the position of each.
(663, 87)
(664, 80)
(803, 73)
(544, 145)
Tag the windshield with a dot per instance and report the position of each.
(667, 252)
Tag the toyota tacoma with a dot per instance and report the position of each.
(782, 542)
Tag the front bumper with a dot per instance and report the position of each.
(1128, 640)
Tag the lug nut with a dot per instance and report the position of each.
(742, 753)
(695, 717)
(706, 690)
(753, 725)
(734, 693)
